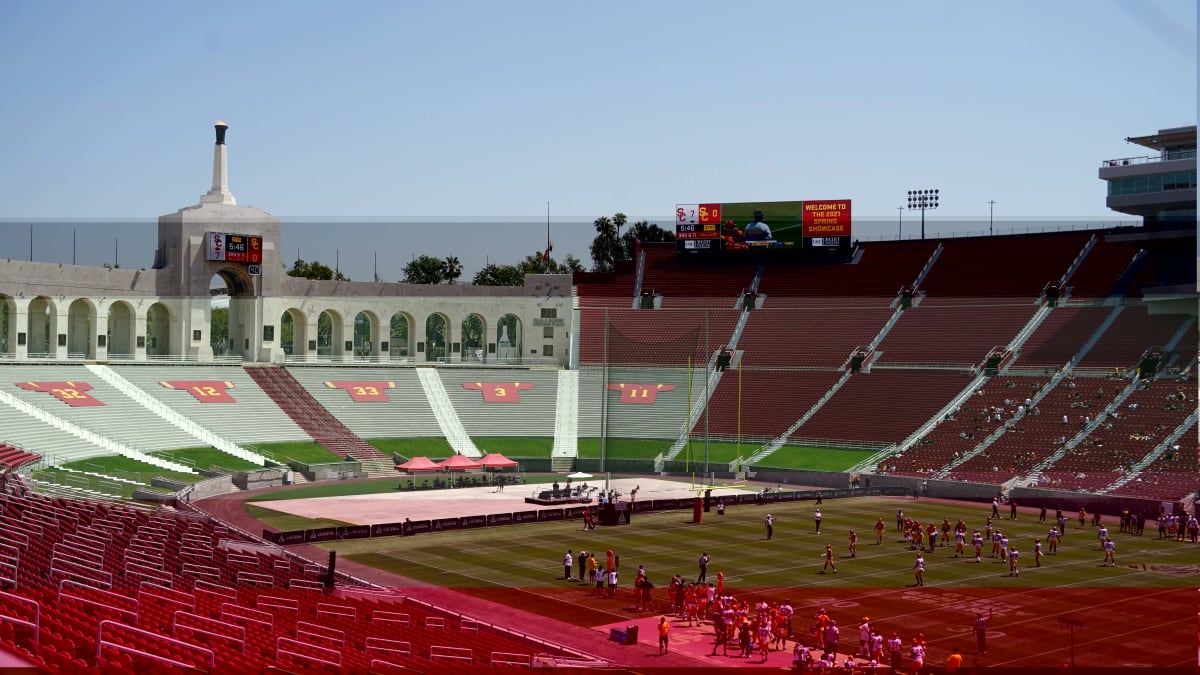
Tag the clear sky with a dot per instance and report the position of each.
(413, 110)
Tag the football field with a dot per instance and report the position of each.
(1140, 612)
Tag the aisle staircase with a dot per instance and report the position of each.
(447, 417)
(317, 421)
(566, 422)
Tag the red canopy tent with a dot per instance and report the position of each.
(458, 462)
(418, 464)
(495, 460)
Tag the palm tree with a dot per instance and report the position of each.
(451, 269)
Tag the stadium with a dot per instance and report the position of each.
(320, 484)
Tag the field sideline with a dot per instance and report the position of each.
(1140, 613)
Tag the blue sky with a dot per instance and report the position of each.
(484, 109)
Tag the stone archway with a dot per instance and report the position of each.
(42, 327)
(158, 330)
(437, 337)
(400, 347)
(508, 339)
(293, 332)
(474, 339)
(81, 328)
(122, 326)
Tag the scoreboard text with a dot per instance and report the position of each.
(225, 247)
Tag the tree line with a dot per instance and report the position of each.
(609, 247)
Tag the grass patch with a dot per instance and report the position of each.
(285, 522)
(814, 459)
(206, 458)
(129, 469)
(516, 447)
(424, 446)
(307, 452)
(624, 448)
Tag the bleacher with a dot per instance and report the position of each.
(120, 418)
(884, 268)
(654, 337)
(1098, 274)
(693, 286)
(406, 412)
(252, 417)
(1172, 474)
(939, 333)
(772, 400)
(812, 337)
(883, 406)
(529, 413)
(56, 445)
(665, 417)
(1144, 419)
(105, 590)
(1134, 330)
(964, 429)
(1002, 266)
(1039, 433)
(1060, 336)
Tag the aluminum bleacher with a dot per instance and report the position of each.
(642, 402)
(503, 402)
(243, 413)
(76, 395)
(398, 407)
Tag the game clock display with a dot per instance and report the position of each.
(226, 247)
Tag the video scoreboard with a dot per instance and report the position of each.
(226, 247)
(739, 227)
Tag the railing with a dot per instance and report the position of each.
(1167, 156)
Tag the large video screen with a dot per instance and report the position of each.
(738, 227)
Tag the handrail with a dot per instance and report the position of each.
(241, 641)
(101, 643)
(36, 624)
(325, 650)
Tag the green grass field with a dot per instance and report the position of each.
(308, 452)
(204, 458)
(130, 469)
(432, 447)
(668, 543)
(814, 459)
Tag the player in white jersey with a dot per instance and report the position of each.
(1013, 571)
(960, 541)
(1037, 552)
(1052, 539)
(1110, 552)
(995, 543)
(1004, 547)
(977, 542)
(919, 569)
(1102, 535)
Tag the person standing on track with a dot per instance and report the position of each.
(664, 635)
(980, 628)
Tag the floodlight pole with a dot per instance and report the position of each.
(920, 200)
(899, 223)
(1071, 624)
(991, 206)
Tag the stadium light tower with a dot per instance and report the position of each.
(921, 200)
